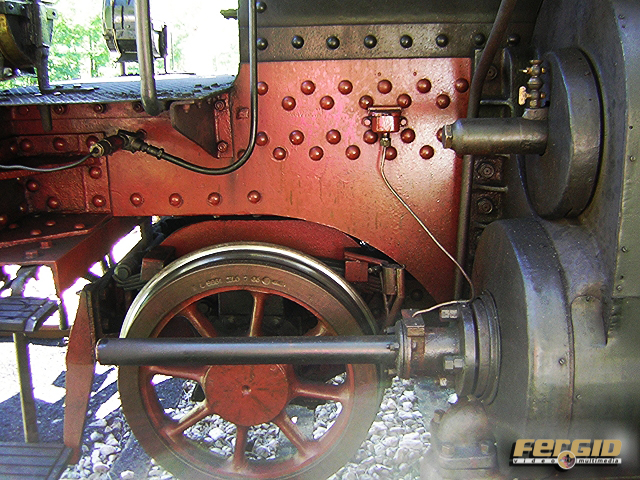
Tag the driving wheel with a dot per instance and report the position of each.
(249, 421)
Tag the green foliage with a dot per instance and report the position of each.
(78, 49)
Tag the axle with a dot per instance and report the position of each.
(460, 346)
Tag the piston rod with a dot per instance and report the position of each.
(379, 349)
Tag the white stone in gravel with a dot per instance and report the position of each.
(100, 468)
(396, 430)
(100, 423)
(166, 477)
(389, 405)
(127, 475)
(216, 434)
(388, 418)
(117, 425)
(96, 436)
(319, 432)
(378, 428)
(411, 444)
(407, 406)
(411, 436)
(404, 415)
(350, 475)
(379, 449)
(390, 441)
(111, 440)
(155, 472)
(107, 450)
(409, 395)
(425, 437)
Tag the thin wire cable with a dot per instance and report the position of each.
(383, 153)
(45, 170)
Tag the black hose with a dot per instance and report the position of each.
(475, 92)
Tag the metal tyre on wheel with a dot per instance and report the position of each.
(250, 289)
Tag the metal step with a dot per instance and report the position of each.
(24, 314)
(33, 461)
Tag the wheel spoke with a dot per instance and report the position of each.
(255, 329)
(199, 321)
(320, 391)
(189, 420)
(317, 331)
(239, 458)
(292, 432)
(188, 373)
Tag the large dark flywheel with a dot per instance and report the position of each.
(255, 290)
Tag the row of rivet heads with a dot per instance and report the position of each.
(176, 200)
(345, 87)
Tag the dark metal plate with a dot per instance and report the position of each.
(24, 314)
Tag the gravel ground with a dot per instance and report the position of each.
(396, 441)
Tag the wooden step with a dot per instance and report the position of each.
(33, 461)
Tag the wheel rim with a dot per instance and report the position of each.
(248, 397)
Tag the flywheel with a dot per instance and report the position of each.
(249, 421)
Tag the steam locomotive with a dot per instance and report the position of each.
(308, 225)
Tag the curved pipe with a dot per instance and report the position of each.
(475, 91)
(144, 46)
(153, 107)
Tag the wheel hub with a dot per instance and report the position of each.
(247, 394)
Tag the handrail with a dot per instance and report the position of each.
(144, 46)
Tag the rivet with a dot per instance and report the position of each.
(26, 145)
(404, 100)
(513, 39)
(23, 110)
(53, 203)
(79, 226)
(352, 152)
(296, 137)
(50, 223)
(261, 7)
(333, 137)
(263, 88)
(99, 108)
(391, 153)
(370, 137)
(262, 43)
(91, 141)
(262, 139)
(288, 103)
(406, 41)
(486, 170)
(136, 199)
(492, 73)
(137, 107)
(316, 153)
(35, 232)
(222, 146)
(13, 226)
(31, 254)
(408, 135)
(479, 39)
(99, 201)
(214, 198)
(442, 40)
(175, 200)
(619, 288)
(95, 172)
(327, 102)
(384, 86)
(562, 361)
(624, 249)
(279, 153)
(308, 87)
(59, 144)
(485, 206)
(254, 196)
(297, 41)
(423, 85)
(365, 102)
(23, 208)
(13, 148)
(3, 219)
(46, 244)
(632, 158)
(345, 87)
(370, 41)
(461, 85)
(220, 105)
(59, 109)
(443, 101)
(32, 186)
(333, 42)
(439, 135)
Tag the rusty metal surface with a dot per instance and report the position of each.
(69, 255)
(342, 187)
